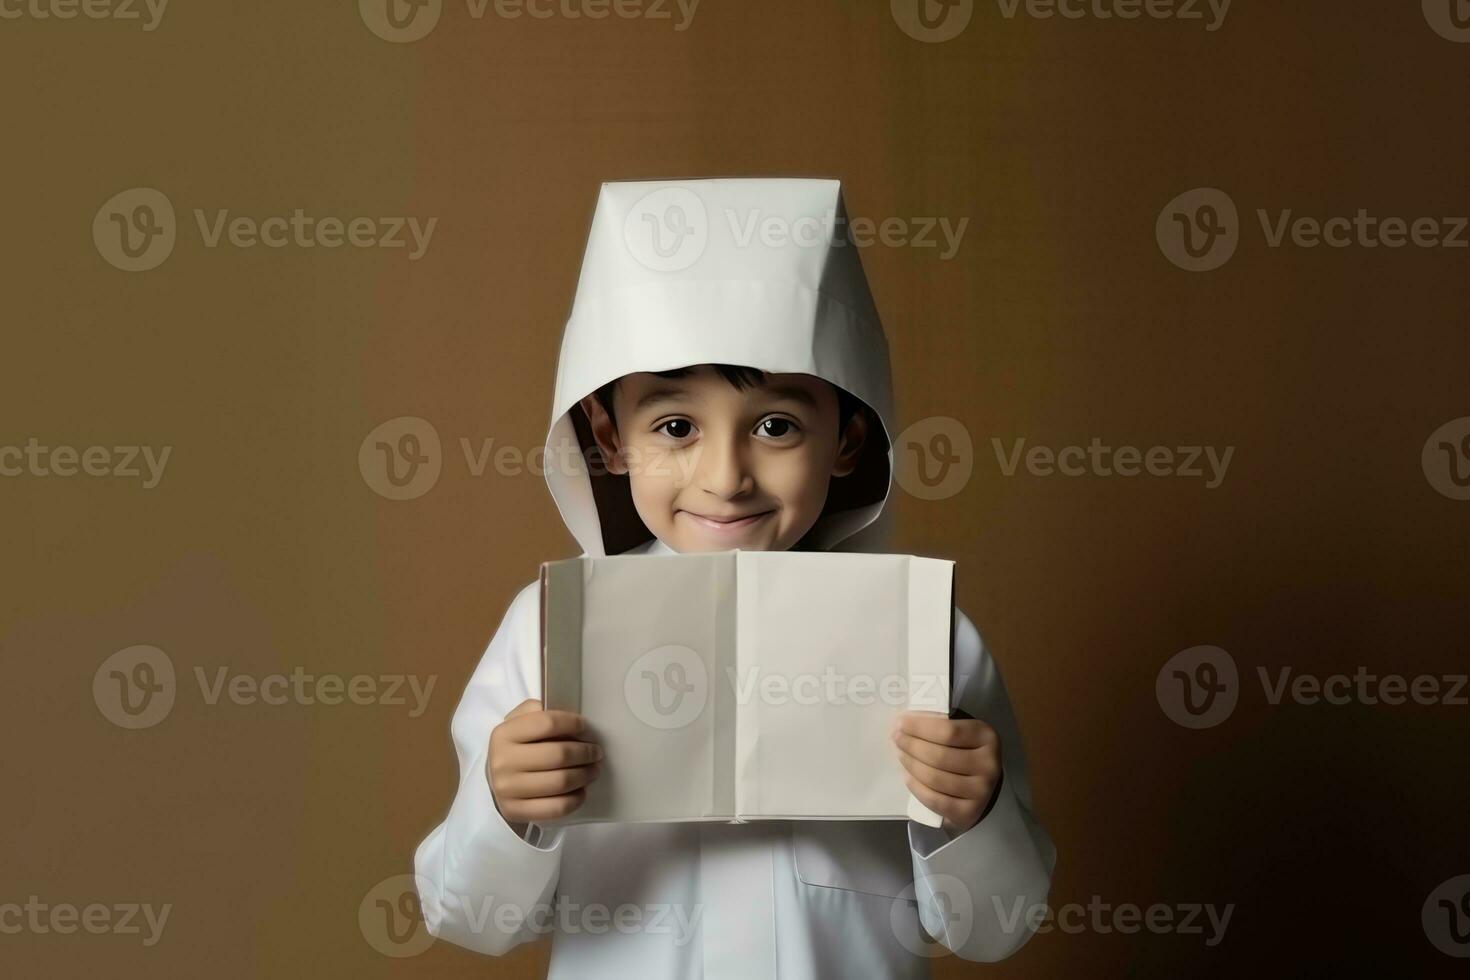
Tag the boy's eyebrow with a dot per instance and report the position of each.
(791, 392)
(672, 393)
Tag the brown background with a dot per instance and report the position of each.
(1059, 320)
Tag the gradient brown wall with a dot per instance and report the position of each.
(1326, 548)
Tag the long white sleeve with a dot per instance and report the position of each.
(480, 884)
(974, 890)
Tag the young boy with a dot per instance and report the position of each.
(726, 361)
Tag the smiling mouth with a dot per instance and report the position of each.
(726, 524)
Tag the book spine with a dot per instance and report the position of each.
(746, 714)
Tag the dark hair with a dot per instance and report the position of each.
(740, 377)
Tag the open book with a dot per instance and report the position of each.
(747, 685)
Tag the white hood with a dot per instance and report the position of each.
(756, 272)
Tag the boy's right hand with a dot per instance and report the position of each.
(540, 763)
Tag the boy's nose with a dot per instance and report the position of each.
(722, 469)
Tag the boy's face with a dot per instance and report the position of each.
(713, 467)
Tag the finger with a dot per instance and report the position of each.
(525, 786)
(530, 704)
(545, 808)
(536, 726)
(544, 756)
(946, 806)
(972, 788)
(961, 762)
(964, 733)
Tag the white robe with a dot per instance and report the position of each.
(786, 898)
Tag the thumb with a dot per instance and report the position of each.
(524, 708)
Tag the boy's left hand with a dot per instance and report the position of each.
(953, 765)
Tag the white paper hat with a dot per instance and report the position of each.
(756, 272)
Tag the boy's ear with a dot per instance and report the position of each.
(605, 431)
(850, 447)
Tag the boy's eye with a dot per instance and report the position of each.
(775, 428)
(677, 428)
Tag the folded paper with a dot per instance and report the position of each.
(742, 685)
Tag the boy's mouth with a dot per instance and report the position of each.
(726, 523)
